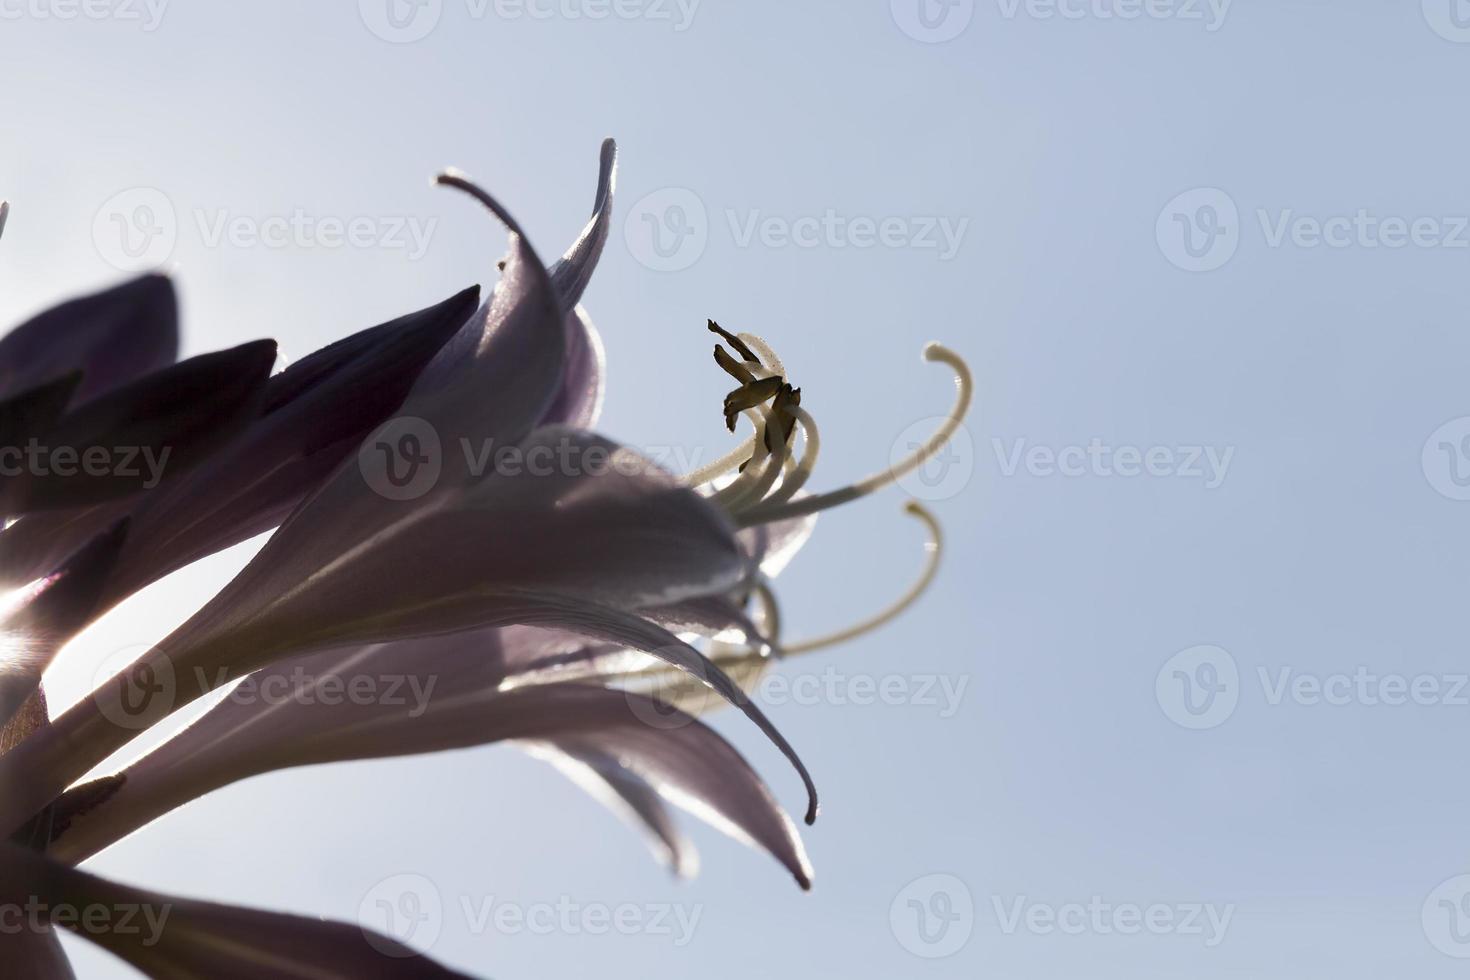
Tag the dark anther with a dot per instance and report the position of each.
(734, 342)
(749, 396)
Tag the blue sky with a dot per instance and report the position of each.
(1201, 617)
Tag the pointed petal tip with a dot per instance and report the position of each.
(247, 366)
(253, 357)
(469, 295)
(459, 180)
(116, 335)
(152, 280)
(155, 286)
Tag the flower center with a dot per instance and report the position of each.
(769, 474)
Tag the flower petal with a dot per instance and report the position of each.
(41, 540)
(176, 937)
(571, 273)
(600, 524)
(301, 724)
(342, 391)
(493, 381)
(500, 372)
(602, 776)
(689, 764)
(165, 422)
(378, 365)
(579, 402)
(628, 629)
(774, 545)
(569, 545)
(706, 616)
(315, 414)
(30, 412)
(112, 337)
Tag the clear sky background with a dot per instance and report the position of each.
(1322, 545)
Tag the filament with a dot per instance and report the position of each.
(723, 465)
(798, 475)
(756, 481)
(933, 549)
(764, 352)
(770, 615)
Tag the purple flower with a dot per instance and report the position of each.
(446, 518)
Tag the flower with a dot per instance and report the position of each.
(558, 590)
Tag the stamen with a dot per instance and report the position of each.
(736, 489)
(796, 477)
(776, 463)
(743, 454)
(734, 342)
(738, 370)
(932, 548)
(766, 512)
(755, 481)
(749, 395)
(751, 371)
(787, 400)
(723, 465)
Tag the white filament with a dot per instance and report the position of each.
(764, 351)
(797, 476)
(729, 497)
(724, 464)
